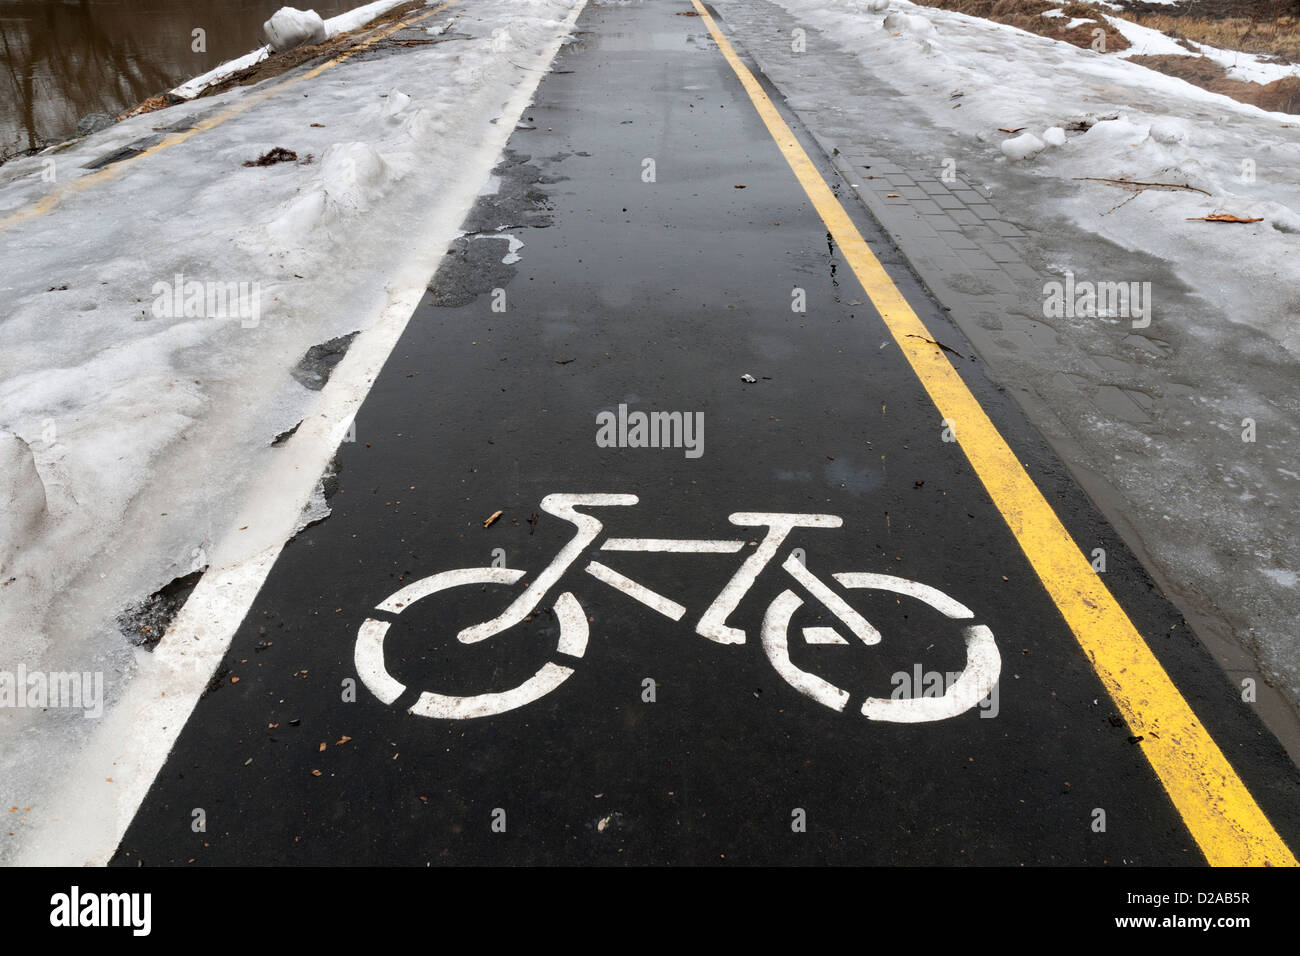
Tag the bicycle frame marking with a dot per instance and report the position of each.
(977, 680)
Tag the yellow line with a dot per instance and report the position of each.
(1223, 818)
(56, 196)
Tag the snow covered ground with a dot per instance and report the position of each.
(930, 90)
(344, 22)
(148, 412)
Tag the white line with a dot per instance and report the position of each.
(822, 635)
(680, 546)
(775, 624)
(983, 667)
(834, 603)
(650, 599)
(369, 660)
(446, 707)
(573, 625)
(941, 602)
(84, 822)
(446, 579)
(713, 624)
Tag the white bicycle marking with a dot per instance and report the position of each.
(922, 592)
(369, 654)
(588, 529)
(973, 685)
(983, 667)
(822, 635)
(369, 660)
(834, 603)
(669, 609)
(447, 579)
(447, 707)
(573, 626)
(672, 545)
(775, 626)
(713, 624)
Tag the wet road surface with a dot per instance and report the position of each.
(667, 251)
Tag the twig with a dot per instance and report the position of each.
(1126, 183)
(946, 348)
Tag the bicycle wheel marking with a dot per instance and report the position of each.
(983, 667)
(368, 656)
(775, 627)
(977, 680)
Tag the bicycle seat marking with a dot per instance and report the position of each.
(975, 683)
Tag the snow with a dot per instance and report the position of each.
(342, 23)
(1024, 146)
(1250, 67)
(1224, 340)
(290, 27)
(148, 427)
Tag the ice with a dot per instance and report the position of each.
(289, 28)
(1054, 136)
(22, 498)
(908, 22)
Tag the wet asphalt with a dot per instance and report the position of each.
(658, 296)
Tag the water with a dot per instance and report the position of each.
(63, 59)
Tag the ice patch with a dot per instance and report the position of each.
(1287, 579)
(512, 251)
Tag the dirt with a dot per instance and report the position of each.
(1028, 15)
(1282, 96)
(1218, 9)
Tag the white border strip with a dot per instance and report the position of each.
(87, 818)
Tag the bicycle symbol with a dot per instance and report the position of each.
(976, 681)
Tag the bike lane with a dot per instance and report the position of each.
(667, 250)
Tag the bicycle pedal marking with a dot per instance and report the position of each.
(976, 681)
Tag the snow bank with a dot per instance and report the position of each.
(144, 427)
(351, 20)
(1024, 146)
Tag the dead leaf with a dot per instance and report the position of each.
(1003, 129)
(1222, 217)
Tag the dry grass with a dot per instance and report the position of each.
(1028, 15)
(1282, 96)
(1280, 37)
